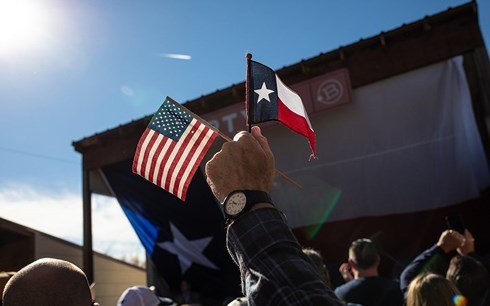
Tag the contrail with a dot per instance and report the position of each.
(176, 56)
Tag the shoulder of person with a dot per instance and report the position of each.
(348, 285)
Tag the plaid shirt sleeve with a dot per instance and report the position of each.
(273, 267)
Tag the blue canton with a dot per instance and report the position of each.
(170, 120)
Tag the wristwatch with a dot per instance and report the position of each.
(239, 202)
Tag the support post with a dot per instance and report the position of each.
(88, 259)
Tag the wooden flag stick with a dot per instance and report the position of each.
(225, 137)
(284, 176)
(247, 94)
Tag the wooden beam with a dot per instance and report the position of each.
(88, 259)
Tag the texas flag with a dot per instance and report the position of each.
(269, 99)
(184, 240)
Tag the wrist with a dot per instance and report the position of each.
(257, 206)
(261, 205)
(239, 202)
(441, 247)
(444, 248)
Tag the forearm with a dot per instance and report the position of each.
(432, 260)
(273, 267)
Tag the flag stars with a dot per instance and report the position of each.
(171, 121)
(263, 93)
(188, 251)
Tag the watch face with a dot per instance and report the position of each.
(235, 203)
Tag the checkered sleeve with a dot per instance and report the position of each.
(273, 267)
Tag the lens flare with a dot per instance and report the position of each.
(309, 207)
(460, 300)
(24, 24)
(332, 199)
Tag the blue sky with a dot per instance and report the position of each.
(75, 68)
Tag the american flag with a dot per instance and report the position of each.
(171, 148)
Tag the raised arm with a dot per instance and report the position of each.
(274, 269)
(434, 259)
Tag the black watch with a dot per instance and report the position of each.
(240, 201)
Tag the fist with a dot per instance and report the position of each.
(246, 163)
(450, 240)
(346, 272)
(469, 245)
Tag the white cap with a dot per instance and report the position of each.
(138, 296)
(240, 301)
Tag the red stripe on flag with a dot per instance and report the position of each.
(154, 158)
(192, 151)
(138, 150)
(146, 153)
(295, 122)
(168, 163)
(185, 144)
(164, 162)
(191, 148)
(200, 157)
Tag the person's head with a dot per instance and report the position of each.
(240, 301)
(317, 259)
(431, 289)
(48, 282)
(4, 278)
(141, 296)
(363, 255)
(470, 277)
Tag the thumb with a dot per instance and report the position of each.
(264, 143)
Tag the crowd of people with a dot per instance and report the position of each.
(274, 268)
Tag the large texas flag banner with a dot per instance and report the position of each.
(185, 240)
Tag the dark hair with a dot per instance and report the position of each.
(363, 253)
(317, 259)
(470, 276)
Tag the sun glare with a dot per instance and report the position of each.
(24, 26)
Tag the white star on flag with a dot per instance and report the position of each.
(188, 251)
(263, 93)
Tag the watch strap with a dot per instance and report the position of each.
(252, 197)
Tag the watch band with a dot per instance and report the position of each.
(253, 197)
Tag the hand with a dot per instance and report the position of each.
(450, 240)
(469, 244)
(246, 163)
(346, 272)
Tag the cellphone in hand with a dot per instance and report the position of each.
(455, 222)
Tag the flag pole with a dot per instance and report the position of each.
(247, 96)
(227, 138)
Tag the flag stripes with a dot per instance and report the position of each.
(171, 164)
(269, 99)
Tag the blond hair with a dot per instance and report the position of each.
(431, 289)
